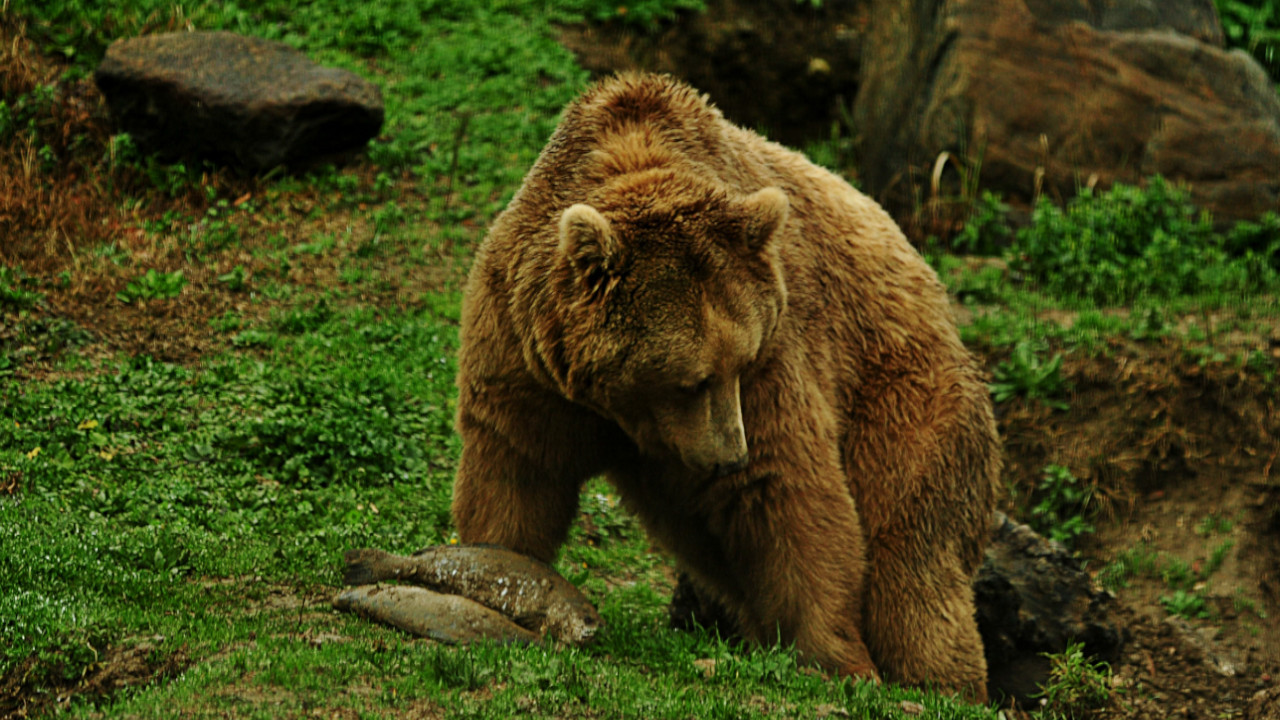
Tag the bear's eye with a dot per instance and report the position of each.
(696, 388)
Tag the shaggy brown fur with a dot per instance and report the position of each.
(754, 356)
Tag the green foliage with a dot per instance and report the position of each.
(1186, 604)
(172, 179)
(153, 286)
(1130, 242)
(357, 431)
(1256, 242)
(987, 230)
(1184, 579)
(1026, 375)
(1216, 558)
(1064, 510)
(1214, 524)
(1177, 573)
(1253, 25)
(1077, 686)
(236, 280)
(1137, 561)
(15, 289)
(646, 13)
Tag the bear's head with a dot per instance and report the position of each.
(673, 289)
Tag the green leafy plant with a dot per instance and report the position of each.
(1025, 374)
(1113, 247)
(1177, 573)
(1216, 557)
(1186, 604)
(1214, 524)
(1077, 686)
(646, 13)
(987, 230)
(236, 279)
(153, 286)
(1254, 26)
(1137, 561)
(15, 289)
(1064, 511)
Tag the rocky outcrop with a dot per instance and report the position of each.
(1051, 94)
(1032, 597)
(236, 100)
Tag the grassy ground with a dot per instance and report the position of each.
(212, 386)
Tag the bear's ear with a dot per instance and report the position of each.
(765, 212)
(588, 243)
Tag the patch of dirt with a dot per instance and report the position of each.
(1180, 458)
(788, 68)
(121, 666)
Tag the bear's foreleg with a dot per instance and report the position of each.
(521, 470)
(796, 548)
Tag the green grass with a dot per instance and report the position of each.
(171, 502)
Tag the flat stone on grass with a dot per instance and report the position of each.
(236, 100)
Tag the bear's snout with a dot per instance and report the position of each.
(723, 469)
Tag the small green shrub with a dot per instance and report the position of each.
(1216, 558)
(1186, 604)
(1254, 26)
(985, 286)
(1214, 524)
(356, 430)
(1112, 247)
(987, 230)
(646, 13)
(14, 289)
(1076, 688)
(1024, 374)
(153, 286)
(236, 280)
(1177, 573)
(1065, 509)
(1138, 561)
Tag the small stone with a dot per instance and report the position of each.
(707, 666)
(912, 708)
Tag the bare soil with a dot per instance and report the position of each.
(1166, 443)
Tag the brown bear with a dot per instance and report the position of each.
(755, 357)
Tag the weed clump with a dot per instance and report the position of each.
(1065, 510)
(1113, 247)
(1077, 687)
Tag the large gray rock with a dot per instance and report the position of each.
(1055, 92)
(236, 100)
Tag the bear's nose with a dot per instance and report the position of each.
(730, 468)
